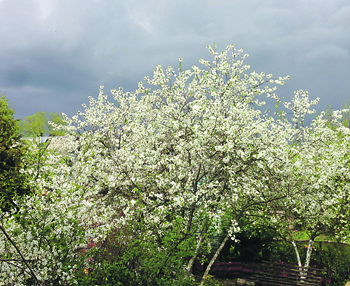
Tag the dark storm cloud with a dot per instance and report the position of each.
(54, 54)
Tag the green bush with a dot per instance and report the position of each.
(256, 248)
(253, 244)
(139, 261)
(335, 258)
(12, 152)
(332, 256)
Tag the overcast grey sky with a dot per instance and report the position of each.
(56, 53)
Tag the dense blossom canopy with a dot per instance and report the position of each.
(163, 167)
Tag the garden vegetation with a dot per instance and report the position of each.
(144, 185)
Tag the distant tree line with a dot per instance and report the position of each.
(38, 124)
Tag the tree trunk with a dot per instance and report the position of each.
(213, 259)
(308, 256)
(297, 253)
(298, 258)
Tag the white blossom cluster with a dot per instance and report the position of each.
(188, 150)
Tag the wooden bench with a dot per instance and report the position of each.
(238, 269)
(272, 273)
(234, 268)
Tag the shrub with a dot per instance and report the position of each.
(13, 182)
(335, 258)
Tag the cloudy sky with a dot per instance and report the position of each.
(56, 53)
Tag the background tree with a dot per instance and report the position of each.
(12, 152)
(38, 123)
(344, 118)
(317, 171)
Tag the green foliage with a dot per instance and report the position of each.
(211, 281)
(301, 234)
(139, 261)
(38, 123)
(12, 151)
(256, 246)
(335, 258)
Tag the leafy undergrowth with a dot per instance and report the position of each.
(301, 235)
